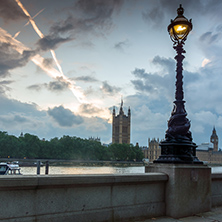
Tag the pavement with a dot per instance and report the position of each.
(215, 215)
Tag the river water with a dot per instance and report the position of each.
(93, 170)
(83, 170)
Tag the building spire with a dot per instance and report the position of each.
(121, 106)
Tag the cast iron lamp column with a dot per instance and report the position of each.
(178, 146)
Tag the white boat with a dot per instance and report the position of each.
(10, 168)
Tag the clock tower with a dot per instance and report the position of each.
(214, 139)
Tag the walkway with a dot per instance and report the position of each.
(215, 215)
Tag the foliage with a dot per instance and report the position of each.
(75, 148)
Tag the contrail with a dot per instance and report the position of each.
(17, 33)
(75, 89)
(5, 37)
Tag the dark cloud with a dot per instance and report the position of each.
(58, 86)
(86, 79)
(9, 10)
(108, 89)
(162, 10)
(51, 42)
(10, 58)
(65, 117)
(87, 17)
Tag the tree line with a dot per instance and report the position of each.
(67, 147)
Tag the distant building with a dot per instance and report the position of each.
(97, 139)
(153, 151)
(121, 126)
(214, 140)
(145, 151)
(209, 152)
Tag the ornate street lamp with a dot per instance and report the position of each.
(178, 146)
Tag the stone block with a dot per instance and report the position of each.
(188, 190)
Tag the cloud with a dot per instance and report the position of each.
(96, 124)
(157, 13)
(205, 62)
(4, 86)
(58, 86)
(48, 62)
(148, 117)
(64, 117)
(89, 109)
(54, 86)
(51, 42)
(11, 59)
(108, 89)
(156, 84)
(9, 10)
(17, 117)
(121, 45)
(88, 17)
(36, 87)
(86, 79)
(210, 38)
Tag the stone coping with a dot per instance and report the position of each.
(177, 165)
(52, 181)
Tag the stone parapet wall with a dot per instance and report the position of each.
(82, 197)
(216, 190)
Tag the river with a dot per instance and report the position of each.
(94, 170)
(84, 170)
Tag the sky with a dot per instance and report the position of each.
(65, 64)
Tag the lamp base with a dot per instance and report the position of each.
(178, 152)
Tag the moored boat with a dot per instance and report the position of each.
(10, 168)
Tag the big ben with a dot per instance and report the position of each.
(214, 139)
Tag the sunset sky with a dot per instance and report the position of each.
(65, 64)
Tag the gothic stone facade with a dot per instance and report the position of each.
(153, 151)
(121, 126)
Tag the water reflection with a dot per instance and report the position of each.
(83, 170)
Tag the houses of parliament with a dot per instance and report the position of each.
(206, 152)
(121, 126)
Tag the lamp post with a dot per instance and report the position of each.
(178, 146)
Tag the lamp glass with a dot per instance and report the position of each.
(180, 30)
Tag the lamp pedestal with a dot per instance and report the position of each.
(188, 189)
